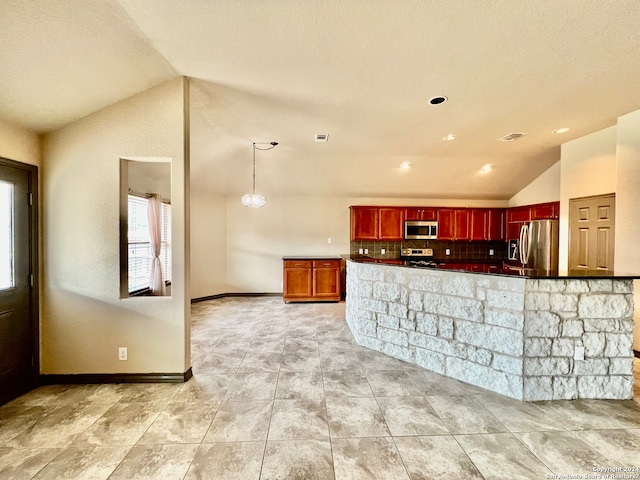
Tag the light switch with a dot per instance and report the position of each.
(383, 251)
(579, 353)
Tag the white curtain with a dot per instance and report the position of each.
(155, 234)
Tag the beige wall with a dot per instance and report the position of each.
(19, 144)
(84, 320)
(256, 239)
(208, 244)
(627, 255)
(588, 167)
(545, 188)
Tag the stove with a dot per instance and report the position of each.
(418, 257)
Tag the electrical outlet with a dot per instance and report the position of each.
(447, 251)
(383, 251)
(366, 251)
(578, 353)
(491, 251)
(122, 353)
(360, 251)
(329, 240)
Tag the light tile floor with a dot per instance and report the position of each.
(280, 391)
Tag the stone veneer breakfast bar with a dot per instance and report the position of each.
(513, 335)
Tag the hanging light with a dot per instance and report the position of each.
(254, 199)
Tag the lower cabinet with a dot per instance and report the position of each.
(310, 280)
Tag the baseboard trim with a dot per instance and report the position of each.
(224, 295)
(91, 378)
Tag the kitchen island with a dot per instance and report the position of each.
(539, 336)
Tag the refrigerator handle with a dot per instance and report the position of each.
(524, 244)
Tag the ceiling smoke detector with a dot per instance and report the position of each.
(511, 137)
(322, 137)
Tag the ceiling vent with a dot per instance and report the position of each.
(322, 137)
(511, 137)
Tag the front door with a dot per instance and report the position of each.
(18, 289)
(591, 232)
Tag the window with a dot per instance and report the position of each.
(139, 243)
(6, 236)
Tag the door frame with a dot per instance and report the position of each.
(34, 240)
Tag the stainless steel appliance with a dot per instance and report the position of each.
(420, 230)
(538, 245)
(418, 257)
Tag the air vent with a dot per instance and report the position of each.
(511, 137)
(322, 137)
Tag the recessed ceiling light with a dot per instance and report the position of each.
(449, 137)
(561, 130)
(438, 100)
(486, 168)
(406, 165)
(510, 137)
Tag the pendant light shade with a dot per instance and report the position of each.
(254, 199)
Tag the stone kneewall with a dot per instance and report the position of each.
(511, 335)
(561, 315)
(465, 326)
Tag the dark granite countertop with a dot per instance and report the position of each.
(508, 271)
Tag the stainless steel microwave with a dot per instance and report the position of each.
(420, 230)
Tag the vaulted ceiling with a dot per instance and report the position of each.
(361, 71)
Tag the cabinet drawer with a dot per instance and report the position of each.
(326, 264)
(297, 264)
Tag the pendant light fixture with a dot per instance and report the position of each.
(254, 199)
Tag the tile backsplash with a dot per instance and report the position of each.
(459, 250)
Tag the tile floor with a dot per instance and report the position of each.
(281, 392)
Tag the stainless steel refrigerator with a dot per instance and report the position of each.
(538, 245)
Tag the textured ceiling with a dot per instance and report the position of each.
(361, 71)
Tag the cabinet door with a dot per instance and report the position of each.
(461, 229)
(545, 210)
(420, 213)
(446, 224)
(364, 223)
(479, 223)
(519, 214)
(413, 214)
(391, 224)
(297, 283)
(326, 282)
(495, 224)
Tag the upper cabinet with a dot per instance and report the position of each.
(364, 223)
(517, 216)
(418, 213)
(391, 223)
(545, 210)
(377, 223)
(453, 224)
(487, 224)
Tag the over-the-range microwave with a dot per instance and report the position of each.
(420, 230)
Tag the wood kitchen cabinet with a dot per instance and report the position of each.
(453, 224)
(364, 223)
(391, 223)
(377, 223)
(518, 216)
(311, 280)
(545, 210)
(487, 224)
(420, 213)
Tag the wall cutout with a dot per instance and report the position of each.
(145, 227)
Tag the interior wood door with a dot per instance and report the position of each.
(591, 232)
(18, 287)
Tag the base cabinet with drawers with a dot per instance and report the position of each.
(311, 279)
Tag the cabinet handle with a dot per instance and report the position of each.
(326, 264)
